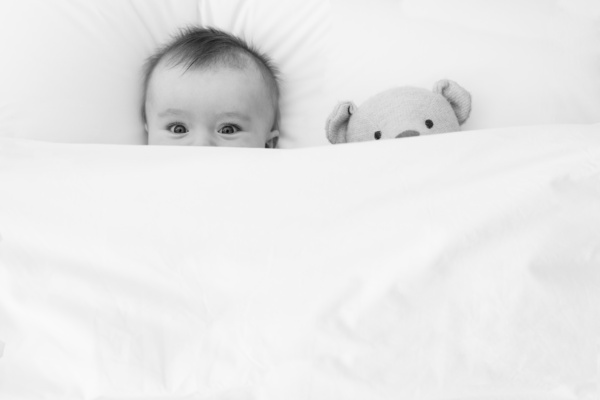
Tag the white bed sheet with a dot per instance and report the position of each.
(458, 266)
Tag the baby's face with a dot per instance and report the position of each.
(209, 107)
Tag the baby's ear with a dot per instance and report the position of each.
(337, 123)
(459, 98)
(273, 139)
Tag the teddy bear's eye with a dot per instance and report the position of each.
(429, 123)
(377, 135)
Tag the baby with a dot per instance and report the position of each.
(209, 88)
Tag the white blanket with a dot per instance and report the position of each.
(457, 266)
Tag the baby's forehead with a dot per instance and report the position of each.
(176, 67)
(166, 73)
(238, 63)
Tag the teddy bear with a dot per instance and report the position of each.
(401, 112)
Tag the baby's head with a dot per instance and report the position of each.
(209, 88)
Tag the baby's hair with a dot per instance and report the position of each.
(197, 47)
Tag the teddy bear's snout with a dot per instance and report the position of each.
(407, 134)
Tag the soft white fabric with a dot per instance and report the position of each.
(71, 70)
(525, 62)
(457, 266)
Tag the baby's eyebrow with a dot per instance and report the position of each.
(172, 111)
(233, 114)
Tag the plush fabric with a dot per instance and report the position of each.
(401, 112)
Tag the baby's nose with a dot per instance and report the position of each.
(203, 140)
(408, 134)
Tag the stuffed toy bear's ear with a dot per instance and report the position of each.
(337, 123)
(459, 98)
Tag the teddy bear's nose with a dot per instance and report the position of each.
(407, 134)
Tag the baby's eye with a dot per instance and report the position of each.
(229, 129)
(178, 129)
(429, 123)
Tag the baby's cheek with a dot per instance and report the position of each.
(153, 138)
(157, 137)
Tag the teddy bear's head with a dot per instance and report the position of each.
(401, 112)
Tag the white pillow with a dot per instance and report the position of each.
(524, 62)
(71, 70)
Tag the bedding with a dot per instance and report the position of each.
(524, 62)
(71, 68)
(456, 266)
